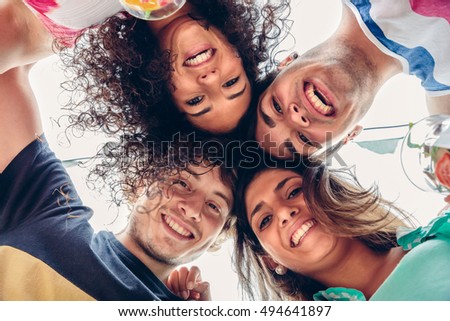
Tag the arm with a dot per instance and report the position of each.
(23, 38)
(20, 121)
(438, 104)
(76, 14)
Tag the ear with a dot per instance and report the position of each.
(287, 61)
(355, 132)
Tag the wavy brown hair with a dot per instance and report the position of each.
(338, 202)
(118, 75)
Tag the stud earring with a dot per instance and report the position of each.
(280, 270)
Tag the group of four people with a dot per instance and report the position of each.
(302, 231)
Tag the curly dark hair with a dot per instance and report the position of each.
(337, 201)
(120, 85)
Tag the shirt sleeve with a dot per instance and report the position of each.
(35, 185)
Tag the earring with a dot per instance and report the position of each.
(280, 270)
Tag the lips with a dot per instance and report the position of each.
(301, 232)
(199, 58)
(177, 228)
(318, 100)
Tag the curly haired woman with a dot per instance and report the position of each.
(198, 65)
(312, 233)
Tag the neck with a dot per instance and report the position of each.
(350, 31)
(157, 26)
(361, 269)
(159, 269)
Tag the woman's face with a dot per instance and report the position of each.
(286, 229)
(210, 85)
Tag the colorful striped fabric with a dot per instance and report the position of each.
(416, 32)
(65, 19)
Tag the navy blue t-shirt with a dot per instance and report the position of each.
(48, 249)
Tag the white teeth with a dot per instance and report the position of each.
(316, 101)
(176, 227)
(199, 58)
(298, 235)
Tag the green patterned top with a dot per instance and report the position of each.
(423, 274)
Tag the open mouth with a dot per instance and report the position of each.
(318, 100)
(177, 228)
(301, 232)
(199, 58)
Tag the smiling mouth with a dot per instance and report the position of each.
(199, 58)
(318, 100)
(301, 232)
(177, 228)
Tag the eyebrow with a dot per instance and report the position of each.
(202, 112)
(238, 94)
(281, 184)
(266, 118)
(289, 146)
(224, 197)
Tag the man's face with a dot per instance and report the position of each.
(317, 98)
(178, 221)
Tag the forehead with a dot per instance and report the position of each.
(266, 181)
(208, 176)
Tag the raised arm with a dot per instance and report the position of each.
(23, 38)
(19, 116)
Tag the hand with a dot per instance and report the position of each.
(188, 284)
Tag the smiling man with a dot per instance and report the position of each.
(318, 98)
(48, 249)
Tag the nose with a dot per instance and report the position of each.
(208, 76)
(190, 207)
(285, 214)
(298, 115)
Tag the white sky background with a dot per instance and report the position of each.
(400, 101)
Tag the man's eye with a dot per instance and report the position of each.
(195, 101)
(214, 207)
(295, 192)
(305, 139)
(277, 107)
(231, 82)
(265, 222)
(182, 184)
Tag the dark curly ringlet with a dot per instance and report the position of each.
(119, 77)
(337, 201)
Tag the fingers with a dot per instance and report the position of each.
(193, 277)
(187, 284)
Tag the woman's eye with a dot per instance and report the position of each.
(195, 101)
(295, 192)
(277, 107)
(231, 82)
(265, 222)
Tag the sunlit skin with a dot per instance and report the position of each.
(178, 224)
(318, 98)
(276, 211)
(442, 168)
(209, 82)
